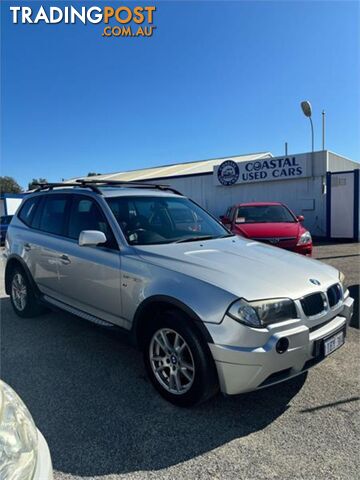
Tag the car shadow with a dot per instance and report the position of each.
(87, 391)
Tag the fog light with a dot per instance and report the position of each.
(282, 345)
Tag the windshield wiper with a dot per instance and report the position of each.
(226, 235)
(204, 237)
(194, 239)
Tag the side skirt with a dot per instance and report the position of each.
(75, 311)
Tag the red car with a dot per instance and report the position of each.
(269, 222)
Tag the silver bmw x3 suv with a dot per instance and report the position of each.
(209, 310)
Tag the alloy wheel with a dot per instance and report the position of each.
(172, 361)
(19, 292)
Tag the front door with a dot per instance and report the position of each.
(90, 275)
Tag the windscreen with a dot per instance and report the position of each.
(264, 214)
(155, 220)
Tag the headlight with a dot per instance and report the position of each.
(263, 312)
(18, 437)
(305, 238)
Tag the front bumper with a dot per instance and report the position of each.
(305, 249)
(44, 470)
(246, 358)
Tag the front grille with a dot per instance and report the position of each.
(334, 294)
(275, 240)
(313, 304)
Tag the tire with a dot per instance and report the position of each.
(23, 299)
(180, 367)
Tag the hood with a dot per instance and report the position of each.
(244, 268)
(263, 230)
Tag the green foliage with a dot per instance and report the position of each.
(34, 181)
(9, 185)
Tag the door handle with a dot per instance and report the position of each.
(65, 259)
(27, 246)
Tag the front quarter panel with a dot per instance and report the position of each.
(142, 280)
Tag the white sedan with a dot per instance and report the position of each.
(24, 453)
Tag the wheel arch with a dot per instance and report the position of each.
(16, 261)
(160, 303)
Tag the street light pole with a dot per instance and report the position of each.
(306, 108)
(323, 129)
(312, 134)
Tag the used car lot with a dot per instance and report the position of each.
(88, 394)
(113, 252)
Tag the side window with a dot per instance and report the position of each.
(28, 209)
(53, 214)
(86, 214)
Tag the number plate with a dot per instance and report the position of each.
(333, 343)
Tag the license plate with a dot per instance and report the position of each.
(334, 342)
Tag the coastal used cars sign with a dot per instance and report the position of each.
(278, 168)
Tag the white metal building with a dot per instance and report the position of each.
(322, 186)
(9, 203)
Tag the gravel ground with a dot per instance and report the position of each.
(88, 394)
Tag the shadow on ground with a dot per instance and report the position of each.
(88, 393)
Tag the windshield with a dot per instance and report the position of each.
(155, 220)
(264, 214)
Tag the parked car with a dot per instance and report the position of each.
(208, 309)
(24, 453)
(4, 224)
(269, 222)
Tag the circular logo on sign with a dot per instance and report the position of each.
(257, 166)
(228, 173)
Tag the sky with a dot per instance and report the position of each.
(216, 79)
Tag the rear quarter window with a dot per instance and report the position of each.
(28, 209)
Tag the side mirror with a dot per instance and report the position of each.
(300, 218)
(91, 238)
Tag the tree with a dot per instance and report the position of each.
(92, 174)
(34, 181)
(9, 185)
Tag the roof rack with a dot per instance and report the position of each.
(95, 185)
(126, 184)
(51, 186)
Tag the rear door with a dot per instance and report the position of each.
(89, 277)
(47, 241)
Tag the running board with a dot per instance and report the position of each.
(78, 313)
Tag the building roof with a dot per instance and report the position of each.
(178, 169)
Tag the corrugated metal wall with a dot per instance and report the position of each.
(306, 196)
(337, 163)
